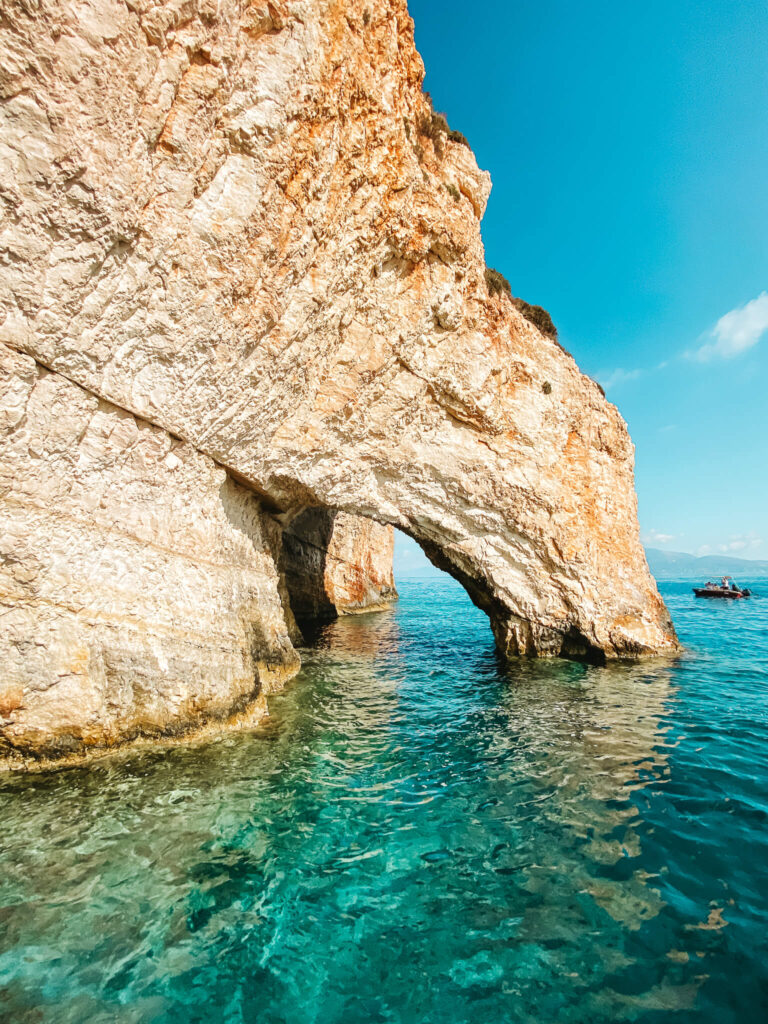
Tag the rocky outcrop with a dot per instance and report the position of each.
(336, 564)
(138, 588)
(242, 223)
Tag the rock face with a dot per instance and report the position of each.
(242, 223)
(359, 575)
(138, 588)
(337, 564)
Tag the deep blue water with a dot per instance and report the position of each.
(419, 836)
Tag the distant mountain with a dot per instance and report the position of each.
(665, 564)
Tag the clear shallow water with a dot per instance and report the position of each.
(417, 836)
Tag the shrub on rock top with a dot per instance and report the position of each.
(537, 315)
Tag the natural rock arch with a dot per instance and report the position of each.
(245, 226)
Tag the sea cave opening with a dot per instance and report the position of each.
(346, 574)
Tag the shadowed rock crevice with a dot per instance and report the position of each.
(303, 562)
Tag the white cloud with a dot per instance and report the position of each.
(654, 537)
(742, 542)
(737, 331)
(705, 549)
(610, 378)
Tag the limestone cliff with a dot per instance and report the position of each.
(359, 572)
(143, 592)
(138, 588)
(241, 222)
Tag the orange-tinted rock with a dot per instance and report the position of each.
(336, 564)
(358, 574)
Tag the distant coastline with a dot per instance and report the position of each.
(411, 564)
(667, 564)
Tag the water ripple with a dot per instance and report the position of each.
(417, 835)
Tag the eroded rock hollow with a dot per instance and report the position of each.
(336, 564)
(243, 278)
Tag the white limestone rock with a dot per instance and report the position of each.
(138, 591)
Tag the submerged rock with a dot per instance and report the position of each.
(244, 225)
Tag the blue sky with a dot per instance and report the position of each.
(628, 146)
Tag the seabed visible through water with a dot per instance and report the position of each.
(418, 835)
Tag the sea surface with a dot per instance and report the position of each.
(419, 835)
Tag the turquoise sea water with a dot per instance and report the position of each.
(419, 835)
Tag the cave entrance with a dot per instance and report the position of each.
(410, 562)
(335, 564)
(433, 601)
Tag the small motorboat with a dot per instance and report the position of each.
(725, 588)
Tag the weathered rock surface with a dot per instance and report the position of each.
(138, 589)
(359, 565)
(239, 221)
(337, 564)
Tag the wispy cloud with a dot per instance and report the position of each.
(610, 378)
(737, 331)
(742, 542)
(655, 537)
(737, 543)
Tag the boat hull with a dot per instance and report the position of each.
(728, 595)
